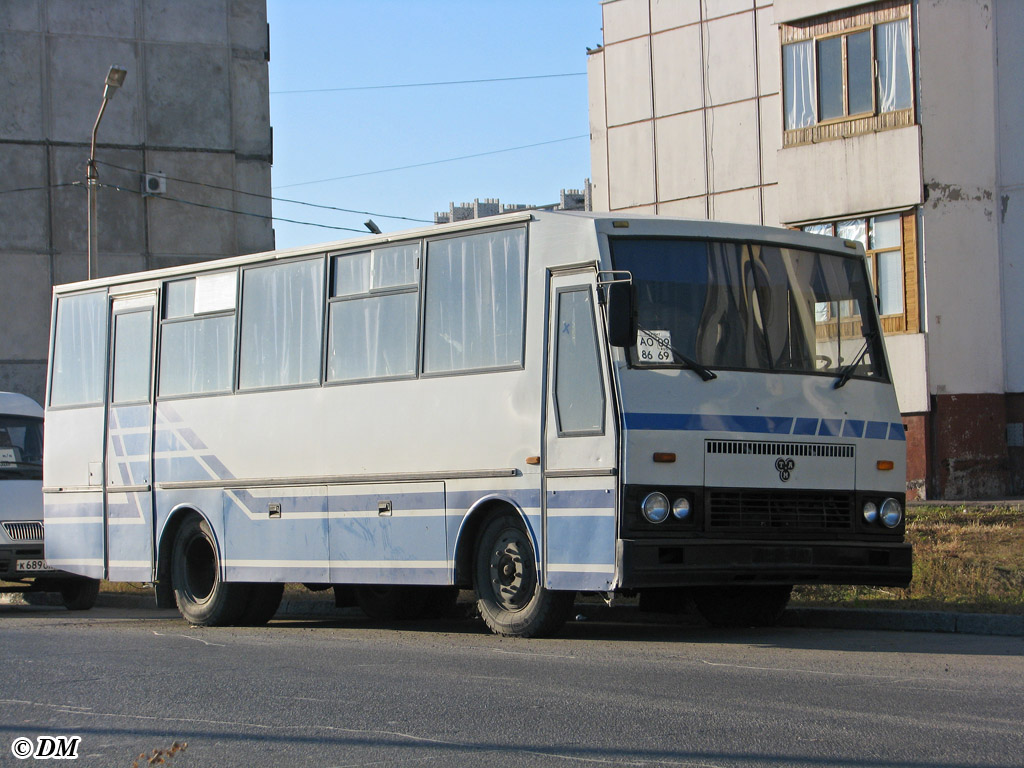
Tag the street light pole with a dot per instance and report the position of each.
(115, 79)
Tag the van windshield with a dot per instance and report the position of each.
(751, 306)
(21, 448)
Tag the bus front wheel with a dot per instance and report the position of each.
(510, 598)
(203, 599)
(742, 606)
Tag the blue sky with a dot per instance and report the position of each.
(323, 44)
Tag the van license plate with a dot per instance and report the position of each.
(33, 565)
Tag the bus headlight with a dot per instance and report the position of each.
(655, 507)
(892, 513)
(870, 512)
(681, 508)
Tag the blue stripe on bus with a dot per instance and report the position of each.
(771, 425)
(600, 499)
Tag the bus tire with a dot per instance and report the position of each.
(203, 599)
(510, 597)
(742, 606)
(261, 604)
(80, 594)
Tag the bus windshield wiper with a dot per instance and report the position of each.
(705, 373)
(847, 373)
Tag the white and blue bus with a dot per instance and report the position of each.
(530, 405)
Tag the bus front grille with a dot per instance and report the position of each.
(779, 510)
(27, 531)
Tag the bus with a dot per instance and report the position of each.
(23, 566)
(531, 406)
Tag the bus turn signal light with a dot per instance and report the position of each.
(665, 458)
(885, 466)
(533, 459)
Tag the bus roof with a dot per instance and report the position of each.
(14, 404)
(607, 223)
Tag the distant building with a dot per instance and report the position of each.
(569, 200)
(193, 108)
(896, 123)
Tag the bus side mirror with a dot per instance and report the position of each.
(621, 321)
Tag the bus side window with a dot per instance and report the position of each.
(282, 324)
(79, 357)
(373, 314)
(475, 290)
(197, 335)
(579, 393)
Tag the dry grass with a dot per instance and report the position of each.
(966, 558)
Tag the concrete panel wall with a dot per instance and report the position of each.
(631, 165)
(864, 173)
(628, 81)
(681, 156)
(733, 143)
(959, 219)
(23, 224)
(792, 10)
(21, 80)
(598, 131)
(194, 105)
(729, 47)
(1009, 24)
(625, 19)
(666, 14)
(677, 66)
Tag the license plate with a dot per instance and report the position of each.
(32, 565)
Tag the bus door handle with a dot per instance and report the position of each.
(384, 508)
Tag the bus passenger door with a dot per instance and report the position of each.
(129, 442)
(579, 441)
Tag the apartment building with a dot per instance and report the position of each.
(894, 123)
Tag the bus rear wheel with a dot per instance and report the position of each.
(203, 599)
(742, 606)
(510, 597)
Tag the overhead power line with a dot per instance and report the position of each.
(229, 210)
(270, 197)
(428, 85)
(434, 162)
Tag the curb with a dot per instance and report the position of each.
(805, 618)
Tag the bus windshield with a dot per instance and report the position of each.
(21, 448)
(750, 306)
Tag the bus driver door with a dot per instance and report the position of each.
(579, 440)
(128, 519)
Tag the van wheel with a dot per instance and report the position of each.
(80, 594)
(262, 604)
(746, 606)
(203, 599)
(510, 598)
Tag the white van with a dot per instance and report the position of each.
(23, 565)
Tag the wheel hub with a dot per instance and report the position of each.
(513, 577)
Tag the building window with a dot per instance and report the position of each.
(847, 74)
(890, 243)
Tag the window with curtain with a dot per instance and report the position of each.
(858, 66)
(373, 314)
(197, 335)
(282, 324)
(475, 289)
(79, 358)
(882, 238)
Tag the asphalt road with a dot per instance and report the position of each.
(351, 692)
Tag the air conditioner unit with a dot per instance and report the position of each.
(154, 183)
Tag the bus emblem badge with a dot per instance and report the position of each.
(785, 468)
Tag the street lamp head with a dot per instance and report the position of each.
(115, 79)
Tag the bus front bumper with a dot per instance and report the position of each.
(685, 562)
